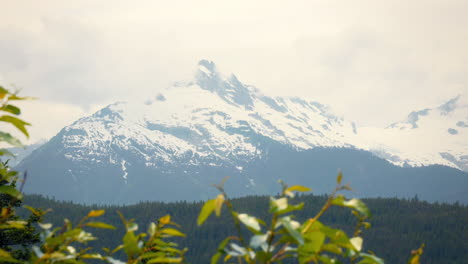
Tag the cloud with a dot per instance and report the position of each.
(375, 61)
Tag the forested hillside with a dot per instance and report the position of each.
(398, 226)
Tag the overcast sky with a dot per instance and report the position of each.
(372, 61)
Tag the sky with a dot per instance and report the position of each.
(371, 61)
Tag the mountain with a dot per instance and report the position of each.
(436, 135)
(22, 152)
(178, 143)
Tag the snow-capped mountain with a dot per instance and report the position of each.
(194, 133)
(214, 118)
(436, 135)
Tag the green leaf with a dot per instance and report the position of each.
(219, 204)
(165, 220)
(91, 256)
(153, 255)
(5, 152)
(339, 178)
(14, 97)
(291, 208)
(172, 232)
(11, 109)
(9, 259)
(313, 241)
(18, 123)
(357, 243)
(164, 260)
(249, 221)
(117, 249)
(10, 139)
(100, 225)
(96, 213)
(416, 255)
(359, 206)
(293, 232)
(131, 244)
(370, 259)
(353, 203)
(298, 188)
(12, 191)
(207, 209)
(3, 92)
(221, 250)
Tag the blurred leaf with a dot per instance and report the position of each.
(131, 244)
(152, 229)
(91, 256)
(353, 203)
(278, 204)
(207, 209)
(152, 255)
(164, 260)
(339, 178)
(298, 188)
(10, 139)
(292, 231)
(332, 248)
(221, 250)
(5, 256)
(18, 123)
(165, 220)
(100, 225)
(370, 259)
(313, 241)
(10, 190)
(291, 208)
(416, 255)
(219, 204)
(11, 109)
(357, 243)
(117, 249)
(3, 92)
(5, 152)
(249, 221)
(173, 232)
(14, 97)
(258, 240)
(45, 225)
(96, 213)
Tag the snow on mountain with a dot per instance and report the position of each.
(214, 119)
(219, 120)
(176, 144)
(430, 136)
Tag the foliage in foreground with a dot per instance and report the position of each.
(282, 239)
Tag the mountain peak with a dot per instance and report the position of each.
(207, 66)
(229, 89)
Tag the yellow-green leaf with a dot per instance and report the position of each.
(100, 225)
(165, 220)
(96, 213)
(10, 139)
(173, 232)
(219, 204)
(339, 178)
(298, 188)
(11, 109)
(164, 260)
(206, 210)
(12, 191)
(18, 123)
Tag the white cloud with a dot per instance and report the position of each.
(375, 61)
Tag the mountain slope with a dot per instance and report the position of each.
(176, 144)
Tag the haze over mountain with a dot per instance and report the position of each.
(174, 145)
